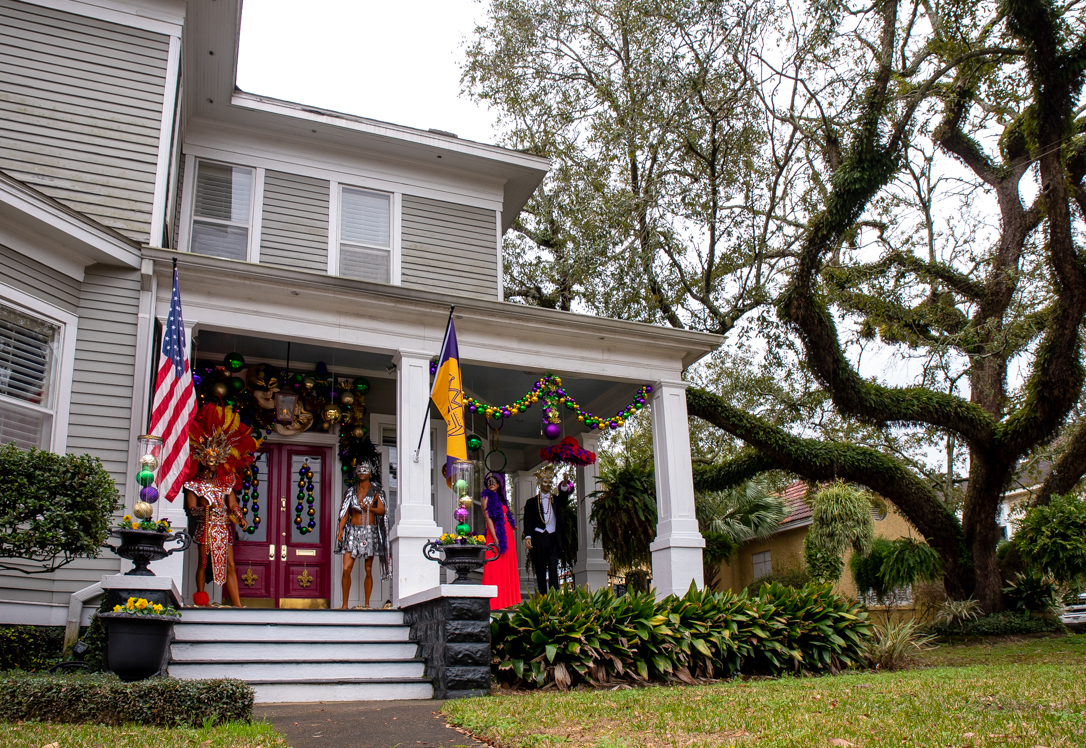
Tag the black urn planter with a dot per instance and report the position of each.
(136, 645)
(141, 547)
(463, 559)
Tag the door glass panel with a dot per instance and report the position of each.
(256, 501)
(307, 498)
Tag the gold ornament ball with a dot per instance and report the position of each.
(220, 389)
(465, 501)
(143, 510)
(346, 399)
(358, 432)
(149, 462)
(331, 413)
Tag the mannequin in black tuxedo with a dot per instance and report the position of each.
(544, 522)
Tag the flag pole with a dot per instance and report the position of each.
(426, 420)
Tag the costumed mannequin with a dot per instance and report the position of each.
(544, 525)
(363, 531)
(500, 525)
(222, 446)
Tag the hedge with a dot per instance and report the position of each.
(1000, 624)
(30, 647)
(105, 699)
(572, 636)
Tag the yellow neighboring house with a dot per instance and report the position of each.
(782, 552)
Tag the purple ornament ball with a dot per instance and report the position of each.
(149, 494)
(552, 431)
(461, 514)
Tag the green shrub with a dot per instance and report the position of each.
(840, 519)
(892, 645)
(958, 612)
(1032, 592)
(999, 624)
(30, 647)
(105, 699)
(787, 577)
(893, 564)
(53, 508)
(571, 636)
(624, 514)
(1053, 537)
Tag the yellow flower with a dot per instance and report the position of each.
(141, 604)
(117, 608)
(135, 525)
(131, 602)
(157, 608)
(127, 518)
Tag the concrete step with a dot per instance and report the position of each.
(277, 651)
(294, 671)
(188, 630)
(344, 690)
(287, 615)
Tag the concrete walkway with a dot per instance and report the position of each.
(364, 724)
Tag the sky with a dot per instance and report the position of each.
(394, 62)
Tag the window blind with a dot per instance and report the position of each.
(26, 369)
(220, 211)
(365, 234)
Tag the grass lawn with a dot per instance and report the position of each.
(233, 735)
(1029, 692)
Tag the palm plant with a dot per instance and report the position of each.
(729, 518)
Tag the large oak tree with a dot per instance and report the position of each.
(913, 186)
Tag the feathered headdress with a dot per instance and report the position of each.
(218, 431)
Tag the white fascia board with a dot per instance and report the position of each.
(159, 16)
(388, 130)
(243, 298)
(62, 227)
(225, 143)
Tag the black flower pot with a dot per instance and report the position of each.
(463, 559)
(136, 645)
(141, 547)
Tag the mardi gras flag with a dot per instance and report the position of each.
(448, 396)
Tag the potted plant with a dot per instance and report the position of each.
(462, 553)
(142, 542)
(138, 634)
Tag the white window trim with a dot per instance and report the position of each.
(256, 202)
(335, 201)
(63, 363)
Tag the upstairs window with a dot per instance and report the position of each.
(222, 207)
(365, 235)
(27, 356)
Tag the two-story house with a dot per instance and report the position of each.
(303, 238)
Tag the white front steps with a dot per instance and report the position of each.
(302, 655)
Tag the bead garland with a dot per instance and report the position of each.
(305, 492)
(549, 388)
(250, 485)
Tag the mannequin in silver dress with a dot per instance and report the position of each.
(363, 531)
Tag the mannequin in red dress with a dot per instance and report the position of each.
(500, 524)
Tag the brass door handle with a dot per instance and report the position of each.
(283, 502)
(271, 551)
(283, 552)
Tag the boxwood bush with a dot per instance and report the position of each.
(30, 647)
(571, 636)
(105, 699)
(1007, 623)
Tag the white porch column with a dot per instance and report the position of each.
(524, 490)
(676, 552)
(411, 572)
(591, 568)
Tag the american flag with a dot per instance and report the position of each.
(175, 401)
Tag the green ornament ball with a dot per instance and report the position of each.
(236, 385)
(463, 529)
(145, 478)
(474, 443)
(461, 487)
(361, 385)
(233, 362)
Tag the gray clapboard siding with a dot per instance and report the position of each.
(177, 202)
(441, 240)
(80, 110)
(294, 224)
(104, 371)
(49, 285)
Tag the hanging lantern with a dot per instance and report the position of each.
(285, 402)
(462, 480)
(150, 451)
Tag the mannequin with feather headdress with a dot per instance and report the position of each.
(221, 447)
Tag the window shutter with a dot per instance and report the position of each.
(220, 211)
(365, 235)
